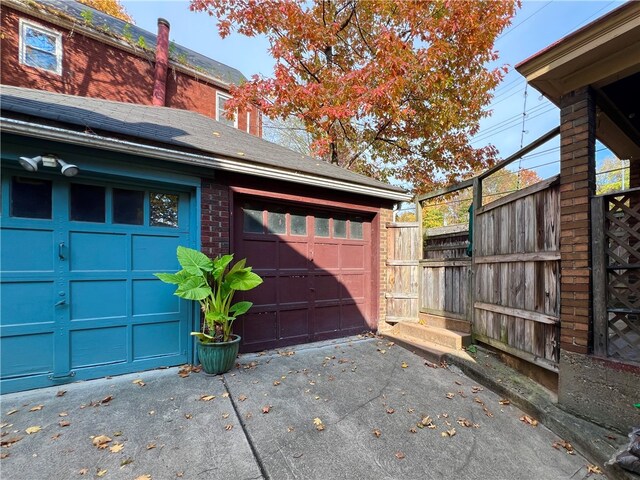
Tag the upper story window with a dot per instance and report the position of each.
(221, 100)
(40, 47)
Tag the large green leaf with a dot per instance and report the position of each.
(238, 266)
(216, 317)
(244, 280)
(193, 261)
(220, 264)
(173, 278)
(204, 338)
(240, 308)
(195, 288)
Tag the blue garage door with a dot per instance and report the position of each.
(79, 299)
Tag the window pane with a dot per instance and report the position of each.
(322, 226)
(277, 222)
(30, 198)
(356, 228)
(252, 220)
(87, 203)
(163, 210)
(128, 206)
(36, 58)
(222, 101)
(40, 48)
(40, 40)
(339, 228)
(298, 224)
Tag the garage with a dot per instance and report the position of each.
(78, 296)
(317, 269)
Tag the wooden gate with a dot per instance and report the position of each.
(404, 250)
(616, 275)
(516, 263)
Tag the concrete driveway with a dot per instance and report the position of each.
(365, 396)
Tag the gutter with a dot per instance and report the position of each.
(45, 132)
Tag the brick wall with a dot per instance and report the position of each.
(577, 185)
(91, 68)
(215, 218)
(386, 216)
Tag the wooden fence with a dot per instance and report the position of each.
(446, 273)
(516, 266)
(404, 250)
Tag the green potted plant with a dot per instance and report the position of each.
(213, 283)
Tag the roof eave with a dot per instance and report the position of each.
(21, 127)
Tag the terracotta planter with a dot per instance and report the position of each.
(217, 358)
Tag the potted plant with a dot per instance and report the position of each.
(213, 283)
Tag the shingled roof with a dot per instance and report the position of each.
(180, 130)
(103, 23)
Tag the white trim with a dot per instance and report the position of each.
(10, 125)
(224, 120)
(248, 121)
(47, 31)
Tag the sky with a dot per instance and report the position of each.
(536, 25)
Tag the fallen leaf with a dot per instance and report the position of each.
(242, 398)
(83, 471)
(426, 421)
(180, 474)
(126, 462)
(527, 419)
(400, 455)
(5, 424)
(33, 429)
(225, 395)
(7, 442)
(139, 382)
(594, 469)
(4, 455)
(266, 409)
(63, 414)
(464, 422)
(476, 389)
(11, 412)
(101, 441)
(117, 434)
(461, 393)
(290, 429)
(151, 446)
(64, 423)
(61, 393)
(404, 365)
(377, 433)
(188, 416)
(390, 410)
(207, 398)
(106, 400)
(144, 477)
(276, 383)
(228, 427)
(504, 401)
(487, 412)
(101, 473)
(450, 395)
(116, 447)
(448, 433)
(225, 415)
(566, 445)
(458, 383)
(36, 408)
(318, 423)
(56, 436)
(413, 430)
(411, 410)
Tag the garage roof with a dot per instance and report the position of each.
(187, 135)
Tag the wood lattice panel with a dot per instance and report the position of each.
(622, 248)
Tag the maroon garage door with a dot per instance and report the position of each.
(316, 267)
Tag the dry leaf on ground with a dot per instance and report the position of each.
(527, 419)
(33, 429)
(117, 447)
(64, 423)
(7, 442)
(207, 398)
(448, 433)
(563, 444)
(377, 433)
(242, 398)
(390, 410)
(36, 408)
(276, 383)
(318, 423)
(139, 382)
(400, 455)
(404, 365)
(83, 471)
(151, 446)
(101, 441)
(594, 469)
(228, 427)
(101, 473)
(450, 395)
(106, 400)
(61, 393)
(144, 477)
(126, 462)
(11, 412)
(266, 409)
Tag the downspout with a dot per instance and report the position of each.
(162, 64)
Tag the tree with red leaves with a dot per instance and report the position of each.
(385, 88)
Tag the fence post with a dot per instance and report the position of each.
(477, 203)
(599, 277)
(420, 253)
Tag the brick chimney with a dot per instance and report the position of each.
(162, 63)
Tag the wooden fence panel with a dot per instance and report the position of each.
(516, 266)
(404, 250)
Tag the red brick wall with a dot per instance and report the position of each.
(215, 218)
(94, 69)
(577, 185)
(386, 216)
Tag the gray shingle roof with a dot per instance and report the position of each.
(102, 21)
(181, 129)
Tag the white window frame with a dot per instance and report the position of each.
(224, 96)
(24, 24)
(248, 121)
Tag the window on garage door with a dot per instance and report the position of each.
(317, 268)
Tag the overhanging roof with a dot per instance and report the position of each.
(173, 135)
(605, 55)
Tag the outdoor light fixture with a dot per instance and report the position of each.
(31, 164)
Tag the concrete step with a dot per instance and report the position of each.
(440, 321)
(439, 336)
(432, 352)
